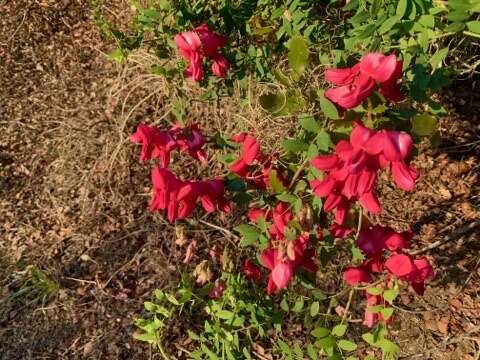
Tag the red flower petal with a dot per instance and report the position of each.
(400, 265)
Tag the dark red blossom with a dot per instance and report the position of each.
(251, 271)
(218, 289)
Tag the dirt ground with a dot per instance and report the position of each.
(79, 253)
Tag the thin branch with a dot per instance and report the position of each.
(454, 235)
(221, 229)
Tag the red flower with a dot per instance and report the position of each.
(281, 216)
(351, 172)
(159, 144)
(371, 318)
(171, 194)
(340, 231)
(281, 270)
(356, 275)
(179, 197)
(211, 194)
(400, 265)
(200, 43)
(372, 241)
(190, 47)
(250, 152)
(416, 272)
(254, 214)
(355, 84)
(155, 143)
(190, 139)
(282, 267)
(251, 271)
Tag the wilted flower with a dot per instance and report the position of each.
(218, 289)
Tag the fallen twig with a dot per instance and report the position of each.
(454, 235)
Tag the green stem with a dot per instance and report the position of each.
(162, 350)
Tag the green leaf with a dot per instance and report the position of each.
(374, 291)
(225, 314)
(387, 313)
(298, 307)
(328, 108)
(295, 146)
(437, 58)
(367, 32)
(288, 198)
(357, 253)
(273, 102)
(314, 308)
(387, 346)
(192, 335)
(298, 54)
(388, 24)
(374, 309)
(474, 26)
(285, 349)
(318, 294)
(249, 234)
(427, 21)
(324, 141)
(275, 182)
(309, 124)
(298, 351)
(326, 342)
(294, 102)
(172, 299)
(424, 125)
(320, 332)
(339, 330)
(149, 306)
(347, 345)
(151, 338)
(246, 353)
(369, 338)
(284, 305)
(390, 295)
(312, 352)
(207, 351)
(401, 8)
(117, 55)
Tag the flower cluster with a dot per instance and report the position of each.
(351, 172)
(171, 194)
(375, 71)
(253, 166)
(202, 43)
(158, 144)
(383, 248)
(283, 256)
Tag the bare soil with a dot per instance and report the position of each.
(73, 199)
